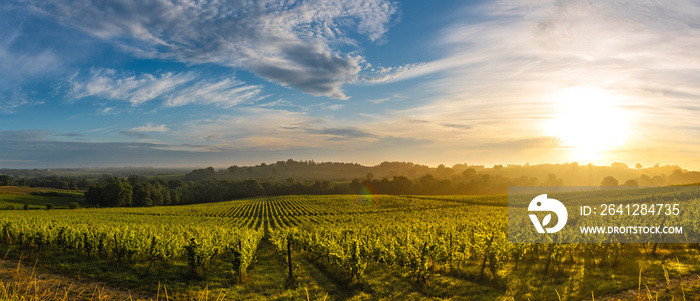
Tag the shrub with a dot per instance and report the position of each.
(73, 205)
(49, 206)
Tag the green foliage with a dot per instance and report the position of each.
(422, 238)
(196, 259)
(6, 180)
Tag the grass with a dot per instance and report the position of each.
(14, 197)
(671, 275)
(24, 284)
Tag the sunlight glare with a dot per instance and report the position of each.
(588, 121)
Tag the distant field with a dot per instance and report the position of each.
(36, 198)
(344, 247)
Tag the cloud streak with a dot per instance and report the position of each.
(151, 128)
(174, 89)
(296, 44)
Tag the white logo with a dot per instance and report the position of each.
(542, 203)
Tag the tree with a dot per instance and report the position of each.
(93, 195)
(609, 182)
(469, 173)
(638, 166)
(631, 183)
(133, 180)
(143, 194)
(428, 183)
(6, 180)
(553, 181)
(117, 192)
(200, 174)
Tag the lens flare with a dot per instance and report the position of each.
(367, 194)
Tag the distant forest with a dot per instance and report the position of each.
(308, 177)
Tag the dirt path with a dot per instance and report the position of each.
(264, 276)
(324, 287)
(23, 279)
(267, 275)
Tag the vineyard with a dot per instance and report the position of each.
(370, 247)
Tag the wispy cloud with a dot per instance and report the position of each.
(223, 93)
(135, 89)
(174, 89)
(151, 128)
(268, 129)
(13, 98)
(340, 133)
(68, 134)
(20, 67)
(293, 44)
(135, 134)
(140, 132)
(458, 126)
(386, 74)
(393, 97)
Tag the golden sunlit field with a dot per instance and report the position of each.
(349, 150)
(342, 247)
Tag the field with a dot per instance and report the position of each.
(15, 197)
(343, 247)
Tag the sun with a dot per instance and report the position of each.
(588, 121)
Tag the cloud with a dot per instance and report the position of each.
(135, 89)
(524, 143)
(151, 128)
(457, 126)
(305, 44)
(34, 135)
(388, 74)
(68, 134)
(345, 132)
(223, 93)
(277, 103)
(174, 89)
(340, 133)
(19, 68)
(139, 132)
(393, 97)
(24, 135)
(45, 153)
(334, 107)
(499, 75)
(134, 134)
(11, 99)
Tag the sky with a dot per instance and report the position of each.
(217, 83)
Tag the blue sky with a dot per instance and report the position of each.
(199, 83)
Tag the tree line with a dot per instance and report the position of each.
(134, 191)
(67, 183)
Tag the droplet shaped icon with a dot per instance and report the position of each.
(542, 203)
